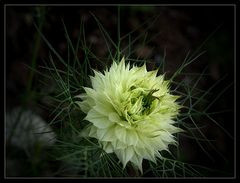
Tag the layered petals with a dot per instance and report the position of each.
(131, 112)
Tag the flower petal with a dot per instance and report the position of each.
(132, 137)
(98, 120)
(125, 155)
(114, 117)
(137, 161)
(104, 107)
(117, 144)
(146, 153)
(93, 132)
(120, 133)
(106, 134)
(126, 118)
(107, 146)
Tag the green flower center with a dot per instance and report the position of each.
(138, 104)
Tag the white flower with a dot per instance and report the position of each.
(131, 112)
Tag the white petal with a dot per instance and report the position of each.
(97, 80)
(147, 153)
(118, 145)
(98, 120)
(114, 117)
(101, 133)
(93, 132)
(125, 155)
(107, 146)
(159, 144)
(90, 92)
(132, 137)
(82, 96)
(84, 106)
(103, 105)
(166, 136)
(129, 152)
(106, 134)
(143, 141)
(120, 133)
(137, 161)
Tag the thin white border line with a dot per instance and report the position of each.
(5, 114)
(171, 178)
(43, 4)
(235, 96)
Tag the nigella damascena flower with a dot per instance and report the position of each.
(131, 112)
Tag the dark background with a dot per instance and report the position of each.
(179, 29)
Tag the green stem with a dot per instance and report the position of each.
(41, 11)
(119, 41)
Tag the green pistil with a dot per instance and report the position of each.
(135, 114)
(149, 98)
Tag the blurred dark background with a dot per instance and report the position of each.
(177, 30)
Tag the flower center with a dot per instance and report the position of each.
(138, 104)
